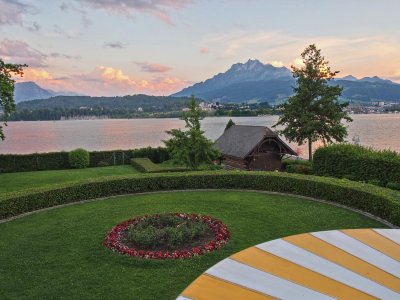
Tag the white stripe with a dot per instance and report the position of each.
(262, 282)
(182, 298)
(325, 267)
(360, 250)
(391, 234)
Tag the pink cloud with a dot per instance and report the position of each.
(12, 12)
(153, 68)
(21, 52)
(105, 81)
(158, 8)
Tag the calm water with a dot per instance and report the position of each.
(378, 131)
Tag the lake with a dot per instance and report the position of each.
(378, 131)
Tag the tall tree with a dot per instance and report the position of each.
(191, 147)
(314, 112)
(7, 104)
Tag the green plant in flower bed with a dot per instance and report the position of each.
(167, 232)
(167, 236)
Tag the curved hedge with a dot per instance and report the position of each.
(378, 201)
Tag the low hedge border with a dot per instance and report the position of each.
(371, 199)
(145, 165)
(59, 160)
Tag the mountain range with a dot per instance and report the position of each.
(248, 81)
(254, 80)
(29, 90)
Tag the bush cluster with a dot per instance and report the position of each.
(156, 155)
(297, 166)
(378, 201)
(145, 165)
(59, 160)
(79, 158)
(166, 231)
(358, 163)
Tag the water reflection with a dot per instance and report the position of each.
(378, 131)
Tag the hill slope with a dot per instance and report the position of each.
(29, 90)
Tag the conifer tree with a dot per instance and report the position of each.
(191, 148)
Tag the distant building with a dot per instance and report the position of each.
(252, 148)
(204, 106)
(140, 109)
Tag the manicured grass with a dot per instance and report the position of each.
(20, 181)
(59, 253)
(145, 165)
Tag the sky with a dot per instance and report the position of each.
(158, 47)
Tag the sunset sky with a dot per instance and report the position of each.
(104, 47)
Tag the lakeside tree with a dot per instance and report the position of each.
(314, 112)
(191, 147)
(7, 104)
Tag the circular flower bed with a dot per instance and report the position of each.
(168, 236)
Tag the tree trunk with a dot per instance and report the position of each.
(310, 149)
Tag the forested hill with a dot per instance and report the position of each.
(147, 103)
(60, 107)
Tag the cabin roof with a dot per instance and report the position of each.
(240, 140)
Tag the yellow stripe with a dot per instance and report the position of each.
(376, 241)
(340, 257)
(207, 287)
(290, 271)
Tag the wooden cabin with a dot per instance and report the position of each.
(252, 148)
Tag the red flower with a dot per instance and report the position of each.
(221, 237)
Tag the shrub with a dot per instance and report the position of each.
(166, 232)
(378, 201)
(393, 185)
(112, 158)
(156, 155)
(297, 166)
(358, 163)
(79, 158)
(103, 164)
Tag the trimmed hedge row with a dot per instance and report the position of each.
(378, 201)
(145, 165)
(59, 160)
(357, 163)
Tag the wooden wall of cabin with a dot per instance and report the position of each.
(266, 156)
(268, 161)
(235, 163)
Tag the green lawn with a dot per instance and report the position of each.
(20, 181)
(58, 254)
